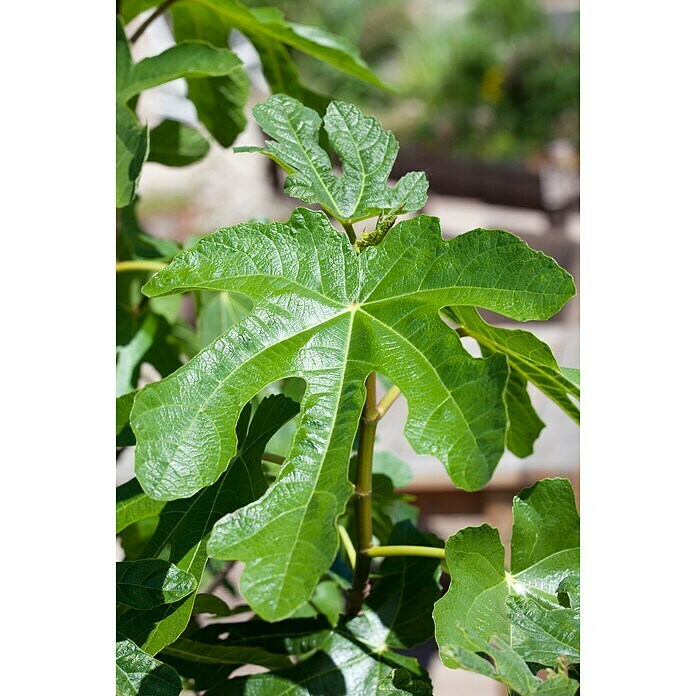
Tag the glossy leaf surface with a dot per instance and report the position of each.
(140, 674)
(149, 582)
(508, 668)
(520, 607)
(329, 316)
(531, 360)
(367, 153)
(185, 525)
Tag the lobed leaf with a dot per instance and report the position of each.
(530, 360)
(367, 153)
(520, 607)
(508, 668)
(184, 526)
(330, 317)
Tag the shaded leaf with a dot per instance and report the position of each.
(149, 582)
(401, 683)
(395, 468)
(219, 101)
(124, 434)
(367, 153)
(132, 504)
(331, 317)
(210, 604)
(520, 607)
(184, 525)
(356, 656)
(136, 244)
(175, 144)
(139, 674)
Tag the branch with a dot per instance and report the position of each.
(159, 11)
(363, 497)
(384, 551)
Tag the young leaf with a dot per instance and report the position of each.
(149, 582)
(519, 606)
(185, 525)
(367, 153)
(329, 316)
(139, 674)
(507, 667)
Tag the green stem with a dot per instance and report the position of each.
(159, 11)
(349, 231)
(363, 497)
(384, 551)
(387, 400)
(274, 458)
(347, 544)
(139, 266)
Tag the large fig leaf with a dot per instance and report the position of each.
(529, 357)
(185, 525)
(366, 150)
(522, 607)
(325, 314)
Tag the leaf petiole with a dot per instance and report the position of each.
(122, 266)
(347, 544)
(385, 551)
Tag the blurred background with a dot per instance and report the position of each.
(487, 103)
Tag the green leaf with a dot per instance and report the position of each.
(508, 668)
(329, 316)
(396, 469)
(175, 144)
(219, 101)
(132, 147)
(149, 582)
(135, 244)
(529, 357)
(234, 656)
(132, 505)
(357, 655)
(210, 604)
(185, 525)
(188, 59)
(401, 683)
(270, 23)
(524, 424)
(367, 153)
(124, 434)
(255, 640)
(520, 607)
(139, 674)
(192, 60)
(218, 312)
